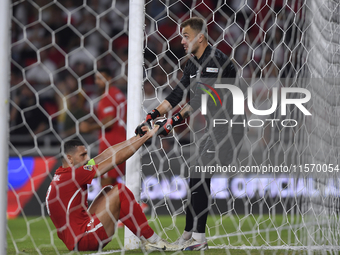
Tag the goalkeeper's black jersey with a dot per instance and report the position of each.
(212, 65)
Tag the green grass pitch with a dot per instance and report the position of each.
(37, 235)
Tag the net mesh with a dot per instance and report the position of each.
(271, 43)
(57, 46)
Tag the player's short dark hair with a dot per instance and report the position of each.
(197, 24)
(71, 145)
(105, 70)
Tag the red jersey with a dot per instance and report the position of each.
(113, 104)
(66, 202)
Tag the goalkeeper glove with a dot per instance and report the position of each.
(166, 125)
(152, 115)
(149, 117)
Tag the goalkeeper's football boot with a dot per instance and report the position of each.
(180, 241)
(193, 245)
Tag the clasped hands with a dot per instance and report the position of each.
(165, 125)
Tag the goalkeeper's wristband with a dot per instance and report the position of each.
(176, 119)
(167, 125)
(152, 115)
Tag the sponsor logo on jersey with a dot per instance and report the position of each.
(88, 167)
(212, 70)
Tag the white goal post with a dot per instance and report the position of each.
(5, 36)
(133, 165)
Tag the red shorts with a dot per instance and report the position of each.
(95, 236)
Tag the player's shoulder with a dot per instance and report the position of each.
(115, 90)
(116, 94)
(62, 174)
(61, 170)
(86, 168)
(220, 55)
(224, 58)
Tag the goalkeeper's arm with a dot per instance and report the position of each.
(168, 104)
(164, 107)
(165, 126)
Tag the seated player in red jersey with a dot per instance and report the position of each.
(82, 228)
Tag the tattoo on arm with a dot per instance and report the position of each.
(186, 111)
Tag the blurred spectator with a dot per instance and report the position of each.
(39, 74)
(26, 115)
(119, 15)
(25, 13)
(79, 38)
(75, 105)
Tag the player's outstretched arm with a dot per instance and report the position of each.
(111, 150)
(119, 153)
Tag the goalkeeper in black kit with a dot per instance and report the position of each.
(220, 145)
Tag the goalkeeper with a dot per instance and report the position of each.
(220, 144)
(82, 228)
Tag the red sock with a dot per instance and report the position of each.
(131, 213)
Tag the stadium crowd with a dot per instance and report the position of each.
(58, 46)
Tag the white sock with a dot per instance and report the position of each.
(154, 238)
(186, 235)
(199, 237)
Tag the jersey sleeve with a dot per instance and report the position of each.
(85, 174)
(176, 95)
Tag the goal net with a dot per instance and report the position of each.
(274, 44)
(287, 195)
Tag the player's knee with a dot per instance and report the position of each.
(109, 191)
(107, 188)
(114, 191)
